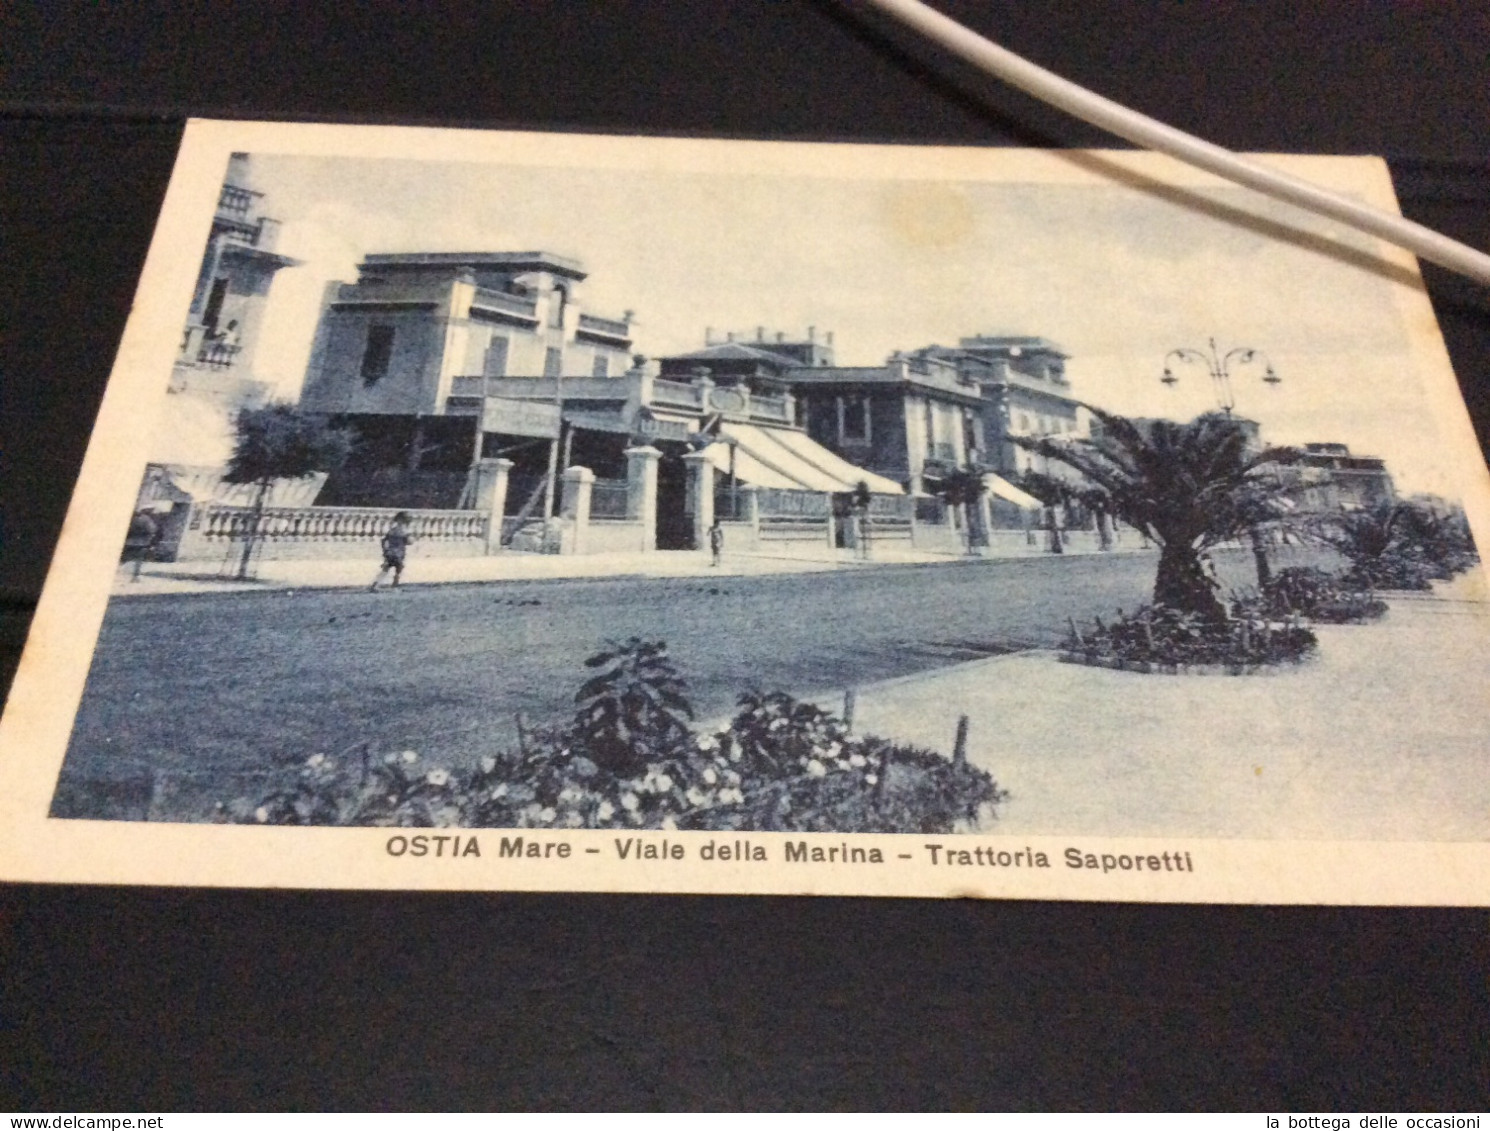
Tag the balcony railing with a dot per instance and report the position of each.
(218, 355)
(678, 393)
(508, 304)
(236, 201)
(612, 327)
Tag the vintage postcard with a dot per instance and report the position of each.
(522, 511)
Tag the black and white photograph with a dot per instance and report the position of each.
(664, 514)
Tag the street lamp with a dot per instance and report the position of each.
(1220, 367)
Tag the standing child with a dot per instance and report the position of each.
(716, 541)
(395, 546)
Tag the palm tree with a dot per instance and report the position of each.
(1187, 486)
(962, 487)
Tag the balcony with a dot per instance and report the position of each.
(496, 306)
(218, 355)
(236, 202)
(607, 327)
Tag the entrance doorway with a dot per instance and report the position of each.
(674, 514)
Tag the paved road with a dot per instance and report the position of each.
(225, 684)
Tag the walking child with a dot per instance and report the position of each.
(716, 541)
(395, 546)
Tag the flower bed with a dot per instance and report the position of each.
(1168, 641)
(627, 761)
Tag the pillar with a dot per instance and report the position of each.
(641, 492)
(701, 492)
(579, 482)
(752, 496)
(491, 497)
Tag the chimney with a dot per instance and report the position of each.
(760, 333)
(708, 335)
(812, 333)
(730, 336)
(780, 336)
(829, 338)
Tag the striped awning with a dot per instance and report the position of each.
(786, 458)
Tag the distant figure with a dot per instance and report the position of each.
(716, 541)
(395, 546)
(229, 338)
(144, 533)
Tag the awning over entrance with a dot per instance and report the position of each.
(784, 458)
(1003, 489)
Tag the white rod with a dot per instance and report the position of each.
(1141, 130)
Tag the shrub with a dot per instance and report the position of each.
(1170, 638)
(1319, 595)
(634, 710)
(781, 764)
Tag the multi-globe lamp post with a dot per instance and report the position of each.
(1220, 366)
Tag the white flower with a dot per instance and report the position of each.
(629, 802)
(871, 779)
(710, 777)
(569, 793)
(390, 758)
(409, 757)
(815, 768)
(488, 765)
(316, 760)
(605, 812)
(857, 760)
(696, 797)
(734, 753)
(546, 815)
(261, 815)
(664, 783)
(669, 824)
(732, 777)
(500, 792)
(437, 777)
(842, 763)
(832, 749)
(707, 742)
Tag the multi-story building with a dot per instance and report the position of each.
(1025, 392)
(910, 420)
(214, 374)
(1327, 477)
(391, 343)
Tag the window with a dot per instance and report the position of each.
(553, 362)
(495, 363)
(601, 367)
(855, 418)
(378, 353)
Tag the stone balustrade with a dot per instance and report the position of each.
(220, 523)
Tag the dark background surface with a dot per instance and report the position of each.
(118, 999)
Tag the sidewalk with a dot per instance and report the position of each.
(1381, 737)
(202, 577)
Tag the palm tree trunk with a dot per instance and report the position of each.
(1182, 583)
